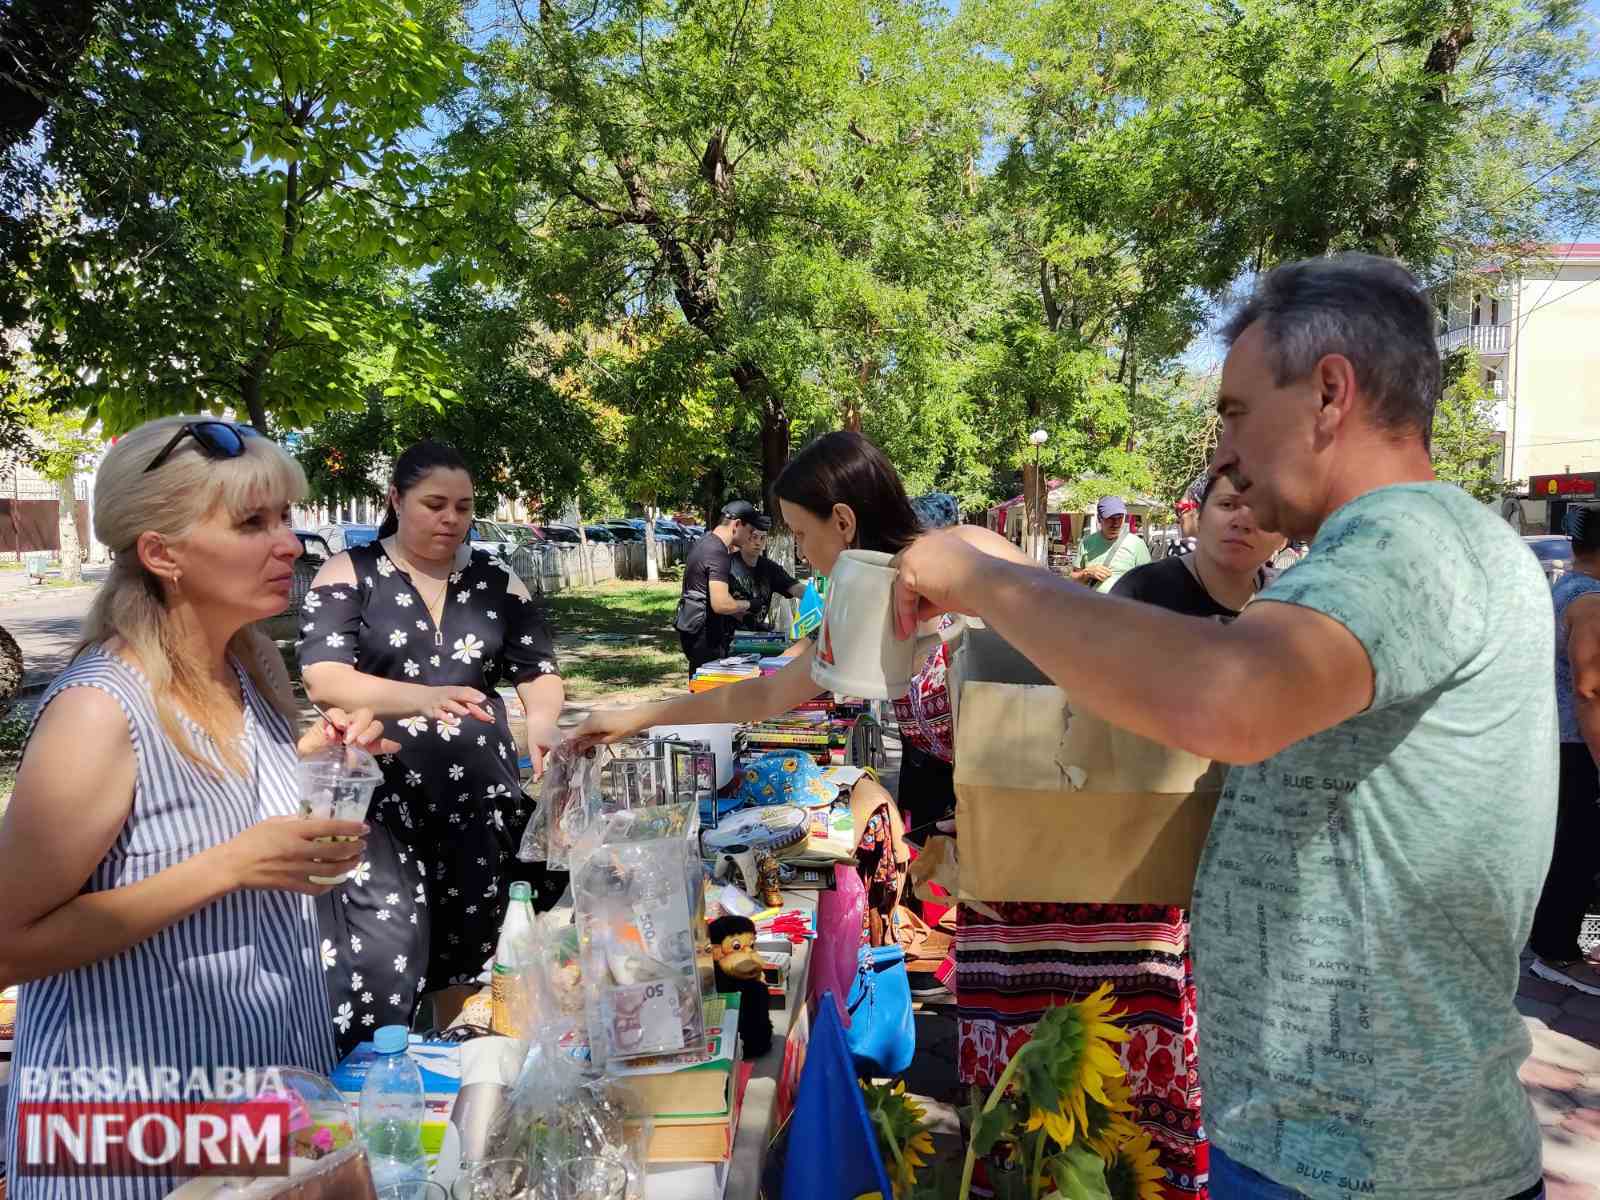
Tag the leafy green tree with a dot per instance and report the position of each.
(1467, 448)
(236, 201)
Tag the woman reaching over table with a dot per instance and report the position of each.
(420, 626)
(839, 493)
(154, 891)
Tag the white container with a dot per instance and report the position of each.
(718, 737)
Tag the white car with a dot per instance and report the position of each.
(486, 535)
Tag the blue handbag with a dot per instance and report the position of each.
(882, 1035)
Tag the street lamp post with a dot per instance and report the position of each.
(1037, 439)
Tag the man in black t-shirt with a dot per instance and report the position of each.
(707, 611)
(758, 579)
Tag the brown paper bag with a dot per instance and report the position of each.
(1054, 804)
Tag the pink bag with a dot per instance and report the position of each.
(835, 953)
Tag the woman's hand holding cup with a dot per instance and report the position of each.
(281, 853)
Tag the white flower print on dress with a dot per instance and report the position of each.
(415, 726)
(328, 955)
(421, 899)
(339, 595)
(403, 600)
(413, 778)
(392, 898)
(546, 667)
(448, 731)
(455, 577)
(335, 640)
(483, 739)
(468, 648)
(366, 997)
(492, 615)
(412, 670)
(355, 979)
(370, 584)
(502, 749)
(368, 1019)
(457, 770)
(355, 945)
(395, 999)
(384, 914)
(433, 660)
(527, 639)
(483, 585)
(363, 873)
(343, 1017)
(463, 596)
(471, 908)
(308, 627)
(397, 637)
(412, 918)
(312, 602)
(422, 625)
(399, 963)
(385, 567)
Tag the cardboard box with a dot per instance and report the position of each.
(1055, 804)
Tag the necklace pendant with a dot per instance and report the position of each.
(438, 637)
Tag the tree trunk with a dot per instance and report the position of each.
(71, 551)
(251, 391)
(652, 570)
(586, 567)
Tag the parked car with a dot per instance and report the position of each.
(1554, 553)
(523, 533)
(624, 531)
(600, 533)
(340, 538)
(313, 545)
(561, 534)
(488, 535)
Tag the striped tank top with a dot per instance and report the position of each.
(237, 983)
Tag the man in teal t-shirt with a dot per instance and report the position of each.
(1373, 868)
(1112, 550)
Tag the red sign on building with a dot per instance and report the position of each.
(1562, 485)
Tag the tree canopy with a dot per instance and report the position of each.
(633, 251)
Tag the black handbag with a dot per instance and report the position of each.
(691, 615)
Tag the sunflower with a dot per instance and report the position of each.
(1133, 1173)
(901, 1124)
(1068, 1062)
(1108, 1125)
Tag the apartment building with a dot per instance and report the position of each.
(1537, 334)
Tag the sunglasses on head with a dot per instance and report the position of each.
(217, 439)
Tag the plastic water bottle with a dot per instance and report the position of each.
(512, 959)
(391, 1112)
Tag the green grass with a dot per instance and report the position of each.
(617, 639)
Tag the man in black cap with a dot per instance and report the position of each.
(758, 579)
(707, 611)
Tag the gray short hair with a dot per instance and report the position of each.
(1370, 310)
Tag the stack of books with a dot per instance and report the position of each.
(694, 1100)
(723, 672)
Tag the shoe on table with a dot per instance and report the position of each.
(1578, 974)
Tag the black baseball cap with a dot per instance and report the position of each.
(762, 522)
(742, 510)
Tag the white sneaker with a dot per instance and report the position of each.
(1578, 975)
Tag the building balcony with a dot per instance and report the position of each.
(1485, 339)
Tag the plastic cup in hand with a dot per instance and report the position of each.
(336, 783)
(591, 1178)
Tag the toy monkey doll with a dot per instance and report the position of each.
(737, 968)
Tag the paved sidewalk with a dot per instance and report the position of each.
(1563, 1081)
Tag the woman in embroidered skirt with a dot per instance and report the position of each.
(1015, 960)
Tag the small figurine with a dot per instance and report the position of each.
(736, 967)
(771, 879)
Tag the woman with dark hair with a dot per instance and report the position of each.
(420, 626)
(1569, 886)
(839, 493)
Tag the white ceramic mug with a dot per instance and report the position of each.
(858, 652)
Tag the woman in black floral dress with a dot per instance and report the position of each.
(422, 628)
